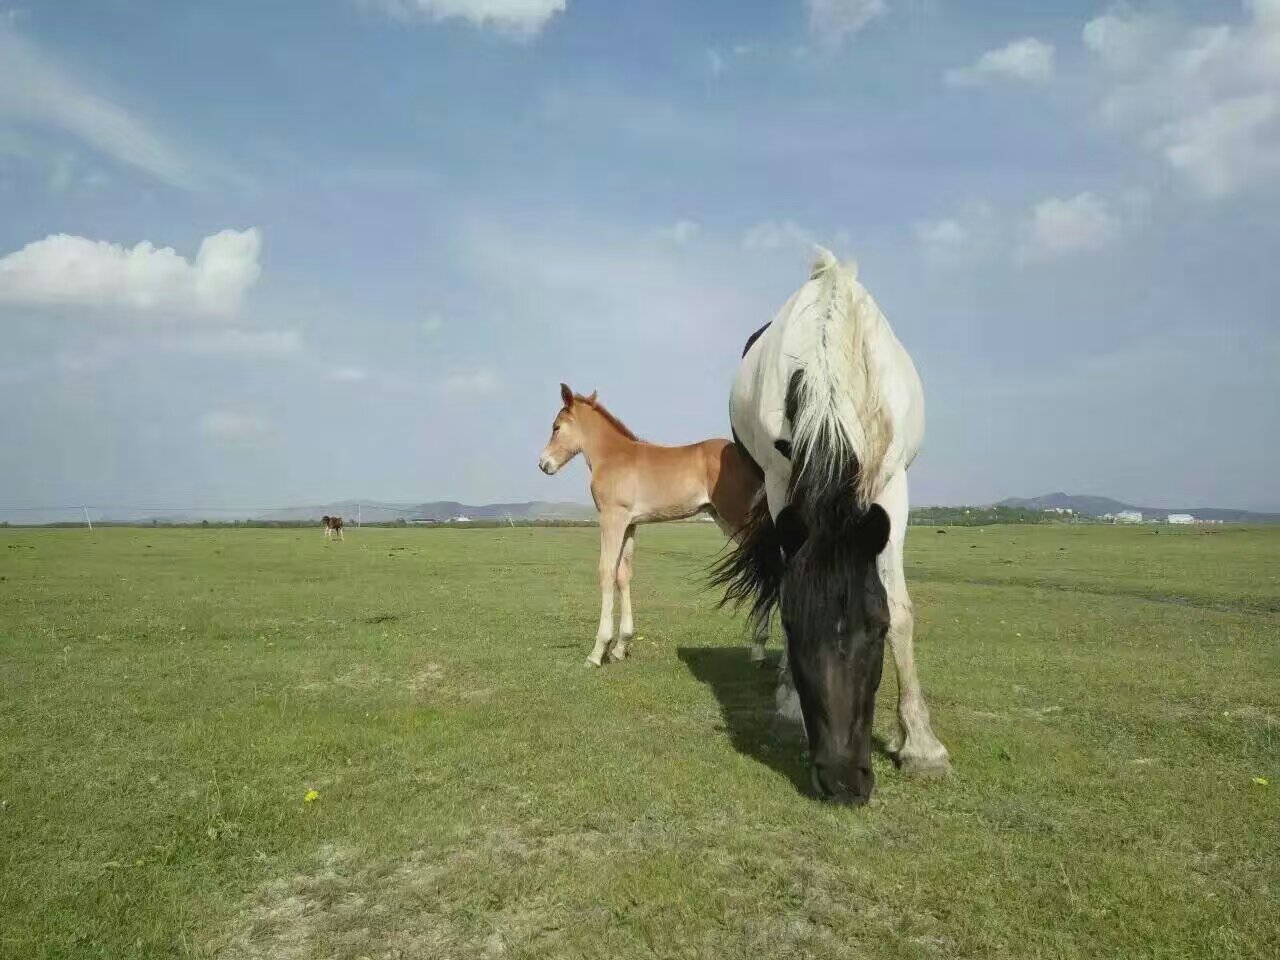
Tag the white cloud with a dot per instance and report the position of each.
(480, 382)
(522, 17)
(432, 324)
(1028, 61)
(36, 90)
(715, 61)
(680, 232)
(773, 235)
(227, 425)
(248, 344)
(967, 235)
(349, 374)
(944, 234)
(830, 21)
(75, 271)
(1204, 99)
(1059, 228)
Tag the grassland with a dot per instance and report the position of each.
(168, 699)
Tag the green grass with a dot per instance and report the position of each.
(168, 697)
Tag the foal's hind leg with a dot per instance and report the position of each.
(613, 530)
(626, 626)
(759, 638)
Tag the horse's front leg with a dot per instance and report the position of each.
(613, 530)
(626, 626)
(917, 749)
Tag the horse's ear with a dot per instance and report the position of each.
(592, 399)
(872, 534)
(566, 395)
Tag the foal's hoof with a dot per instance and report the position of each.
(616, 657)
(593, 662)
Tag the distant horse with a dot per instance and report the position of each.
(635, 482)
(828, 403)
(332, 526)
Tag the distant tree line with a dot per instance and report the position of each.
(984, 516)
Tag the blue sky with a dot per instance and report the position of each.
(260, 254)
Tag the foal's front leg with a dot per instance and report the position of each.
(613, 529)
(626, 625)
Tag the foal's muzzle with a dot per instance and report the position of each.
(547, 466)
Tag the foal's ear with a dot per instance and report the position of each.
(872, 535)
(592, 398)
(566, 395)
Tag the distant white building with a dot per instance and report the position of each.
(1062, 511)
(1181, 518)
(1129, 516)
(461, 520)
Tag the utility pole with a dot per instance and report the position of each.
(359, 508)
(86, 518)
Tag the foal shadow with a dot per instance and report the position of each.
(745, 692)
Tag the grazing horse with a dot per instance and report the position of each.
(634, 482)
(332, 525)
(828, 404)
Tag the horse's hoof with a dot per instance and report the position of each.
(593, 662)
(615, 657)
(923, 766)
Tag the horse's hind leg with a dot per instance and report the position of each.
(613, 529)
(626, 626)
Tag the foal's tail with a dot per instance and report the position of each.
(840, 429)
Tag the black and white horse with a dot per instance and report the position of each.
(829, 406)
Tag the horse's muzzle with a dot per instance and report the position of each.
(851, 787)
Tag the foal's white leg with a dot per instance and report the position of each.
(626, 626)
(613, 530)
(917, 749)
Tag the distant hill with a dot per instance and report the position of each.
(1090, 506)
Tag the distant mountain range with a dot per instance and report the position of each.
(373, 511)
(1099, 506)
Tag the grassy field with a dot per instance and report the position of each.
(169, 698)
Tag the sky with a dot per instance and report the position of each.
(260, 254)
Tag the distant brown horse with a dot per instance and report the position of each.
(635, 482)
(332, 525)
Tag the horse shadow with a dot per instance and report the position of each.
(745, 692)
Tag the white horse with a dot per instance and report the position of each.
(829, 405)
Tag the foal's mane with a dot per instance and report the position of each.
(613, 421)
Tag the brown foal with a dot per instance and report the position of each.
(634, 482)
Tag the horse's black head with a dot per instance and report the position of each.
(835, 612)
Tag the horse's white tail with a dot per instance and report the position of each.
(839, 412)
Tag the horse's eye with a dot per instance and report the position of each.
(556, 428)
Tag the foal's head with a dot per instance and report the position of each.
(566, 433)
